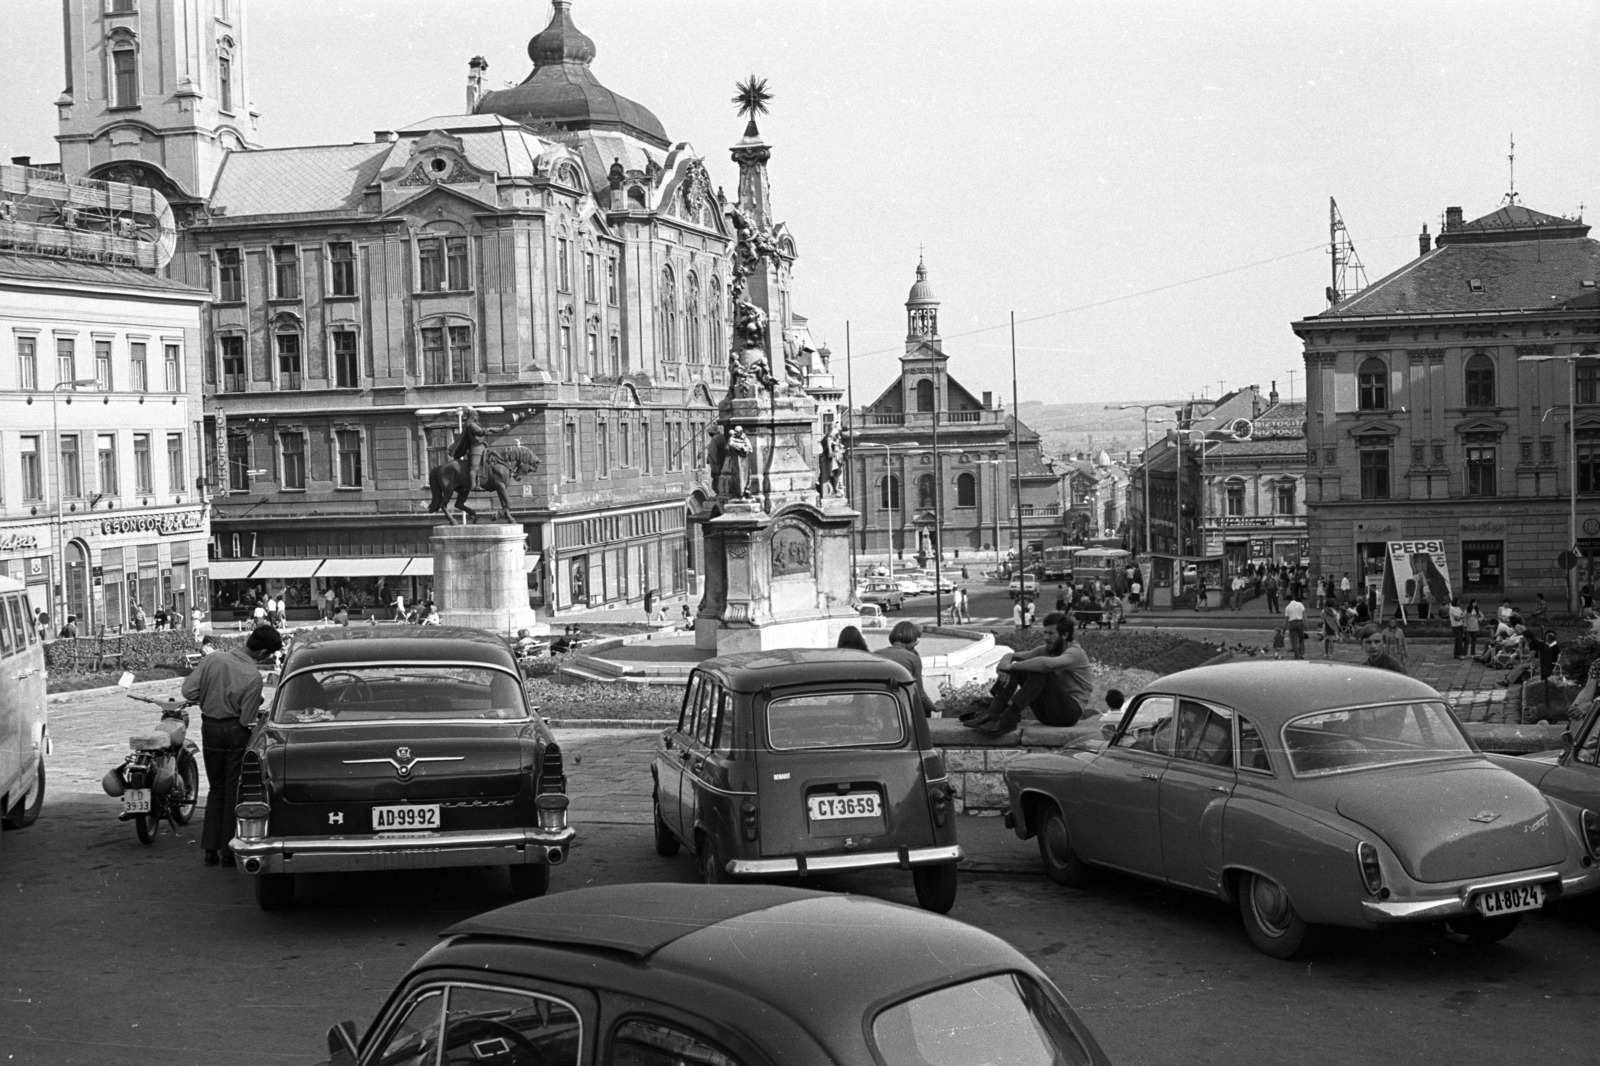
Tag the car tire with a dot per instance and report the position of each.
(936, 886)
(189, 776)
(529, 880)
(26, 810)
(713, 868)
(1484, 931)
(667, 845)
(275, 892)
(1061, 862)
(1275, 928)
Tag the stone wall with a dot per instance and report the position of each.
(976, 763)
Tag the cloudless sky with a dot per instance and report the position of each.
(1084, 161)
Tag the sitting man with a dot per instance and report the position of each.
(1053, 680)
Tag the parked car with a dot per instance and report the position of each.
(659, 974)
(1021, 582)
(872, 617)
(909, 585)
(1307, 794)
(927, 581)
(796, 762)
(400, 747)
(1572, 773)
(24, 712)
(885, 594)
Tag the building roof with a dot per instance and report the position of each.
(77, 272)
(1509, 260)
(564, 92)
(286, 181)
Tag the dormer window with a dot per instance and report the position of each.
(1475, 284)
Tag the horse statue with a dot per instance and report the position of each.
(501, 466)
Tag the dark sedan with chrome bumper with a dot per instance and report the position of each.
(409, 750)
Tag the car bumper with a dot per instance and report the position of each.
(1458, 903)
(489, 847)
(905, 858)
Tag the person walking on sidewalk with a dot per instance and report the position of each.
(1458, 622)
(1330, 628)
(1294, 616)
(1271, 589)
(1471, 624)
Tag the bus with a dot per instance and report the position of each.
(24, 740)
(1057, 563)
(1107, 564)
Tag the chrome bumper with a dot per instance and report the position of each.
(905, 858)
(491, 847)
(1459, 903)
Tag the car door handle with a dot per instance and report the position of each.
(1219, 788)
(1151, 777)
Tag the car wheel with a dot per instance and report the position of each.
(936, 887)
(1270, 919)
(1481, 930)
(1061, 862)
(275, 892)
(529, 880)
(713, 868)
(26, 810)
(666, 844)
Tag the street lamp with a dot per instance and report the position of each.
(1571, 360)
(55, 423)
(888, 472)
(998, 475)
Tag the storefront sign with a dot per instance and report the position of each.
(169, 524)
(19, 542)
(1277, 429)
(1417, 570)
(1482, 528)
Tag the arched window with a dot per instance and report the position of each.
(691, 318)
(1373, 381)
(666, 321)
(925, 395)
(1480, 381)
(925, 492)
(718, 343)
(891, 493)
(966, 491)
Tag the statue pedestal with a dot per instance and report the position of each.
(479, 579)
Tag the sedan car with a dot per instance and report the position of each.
(885, 594)
(790, 763)
(731, 975)
(1307, 794)
(387, 751)
(1571, 773)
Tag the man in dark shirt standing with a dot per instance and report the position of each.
(1372, 644)
(228, 689)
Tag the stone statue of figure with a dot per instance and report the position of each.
(794, 362)
(831, 467)
(716, 453)
(736, 465)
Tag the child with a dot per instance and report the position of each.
(1277, 643)
(1394, 639)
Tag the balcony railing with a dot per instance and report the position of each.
(925, 418)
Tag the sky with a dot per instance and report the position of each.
(1145, 185)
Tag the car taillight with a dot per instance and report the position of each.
(552, 776)
(1591, 833)
(252, 782)
(749, 820)
(1371, 871)
(252, 816)
(552, 808)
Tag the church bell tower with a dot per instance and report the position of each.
(157, 92)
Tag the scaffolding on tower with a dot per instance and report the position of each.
(1349, 276)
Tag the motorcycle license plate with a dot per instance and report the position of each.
(853, 805)
(1509, 900)
(406, 818)
(136, 801)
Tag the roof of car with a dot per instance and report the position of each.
(1273, 691)
(338, 645)
(752, 671)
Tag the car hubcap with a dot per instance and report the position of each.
(1271, 905)
(1055, 838)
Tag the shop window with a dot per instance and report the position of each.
(1481, 569)
(1480, 381)
(1374, 473)
(288, 345)
(1372, 382)
(124, 78)
(294, 460)
(889, 493)
(176, 478)
(342, 268)
(27, 364)
(230, 276)
(171, 364)
(1286, 495)
(285, 272)
(32, 470)
(143, 482)
(346, 374)
(1481, 470)
(966, 491)
(71, 466)
(138, 367)
(348, 442)
(238, 462)
(1588, 462)
(1587, 375)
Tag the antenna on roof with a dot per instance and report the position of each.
(1511, 160)
(1349, 276)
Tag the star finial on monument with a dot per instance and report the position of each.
(751, 96)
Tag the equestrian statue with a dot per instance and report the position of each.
(476, 467)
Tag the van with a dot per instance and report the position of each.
(24, 731)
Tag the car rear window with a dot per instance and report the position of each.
(1336, 741)
(398, 692)
(1004, 1020)
(834, 720)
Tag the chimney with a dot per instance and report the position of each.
(988, 401)
(1424, 242)
(22, 160)
(477, 66)
(1272, 397)
(1452, 218)
(384, 136)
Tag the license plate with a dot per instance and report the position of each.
(854, 805)
(136, 801)
(1509, 900)
(409, 817)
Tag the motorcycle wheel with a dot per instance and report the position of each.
(189, 774)
(145, 826)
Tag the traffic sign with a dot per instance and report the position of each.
(1566, 560)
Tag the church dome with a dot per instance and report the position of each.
(562, 91)
(922, 292)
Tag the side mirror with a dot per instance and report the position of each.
(1108, 731)
(1566, 742)
(342, 1044)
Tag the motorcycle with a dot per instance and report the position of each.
(159, 780)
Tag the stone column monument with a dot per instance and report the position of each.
(479, 579)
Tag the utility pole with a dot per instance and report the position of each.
(1016, 452)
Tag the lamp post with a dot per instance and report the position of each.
(995, 481)
(888, 472)
(1571, 360)
(55, 425)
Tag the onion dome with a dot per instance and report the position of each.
(921, 292)
(563, 92)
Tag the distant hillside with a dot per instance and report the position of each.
(1069, 428)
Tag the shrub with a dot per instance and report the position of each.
(140, 651)
(597, 700)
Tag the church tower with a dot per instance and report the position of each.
(157, 92)
(922, 313)
(922, 367)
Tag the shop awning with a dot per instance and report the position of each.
(420, 566)
(370, 566)
(231, 569)
(282, 568)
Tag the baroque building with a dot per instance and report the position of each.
(1443, 401)
(1254, 483)
(968, 492)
